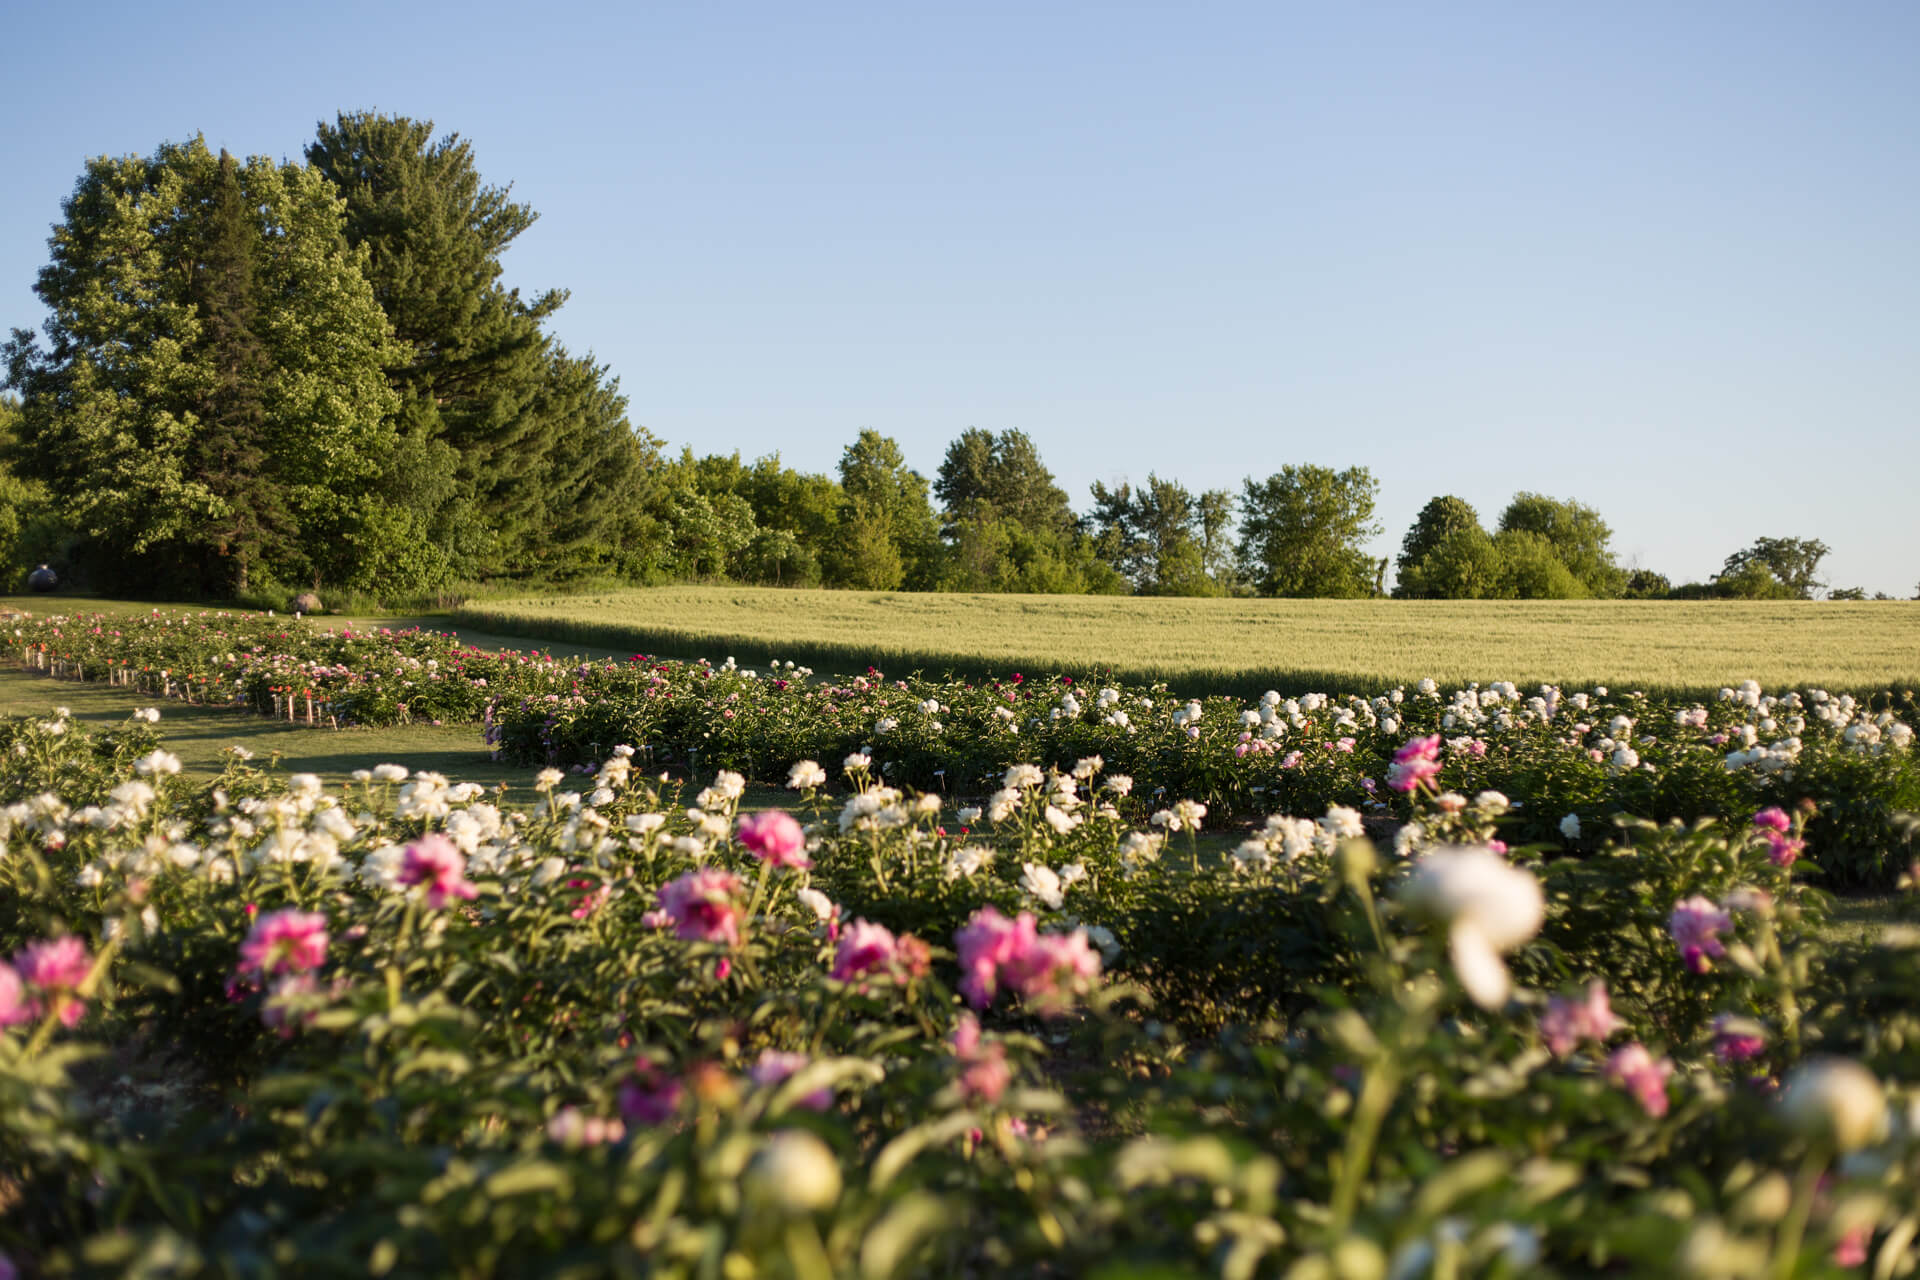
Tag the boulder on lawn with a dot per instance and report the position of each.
(306, 602)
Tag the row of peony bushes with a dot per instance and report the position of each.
(1568, 761)
(258, 1026)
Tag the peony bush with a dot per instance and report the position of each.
(258, 1025)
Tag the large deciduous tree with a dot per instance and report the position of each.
(1577, 534)
(165, 371)
(1443, 518)
(1158, 536)
(1792, 563)
(1302, 532)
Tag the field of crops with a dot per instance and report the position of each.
(1247, 646)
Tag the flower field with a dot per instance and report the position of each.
(1495, 982)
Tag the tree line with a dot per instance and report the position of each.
(258, 377)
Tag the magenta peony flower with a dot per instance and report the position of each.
(1696, 925)
(1568, 1021)
(775, 838)
(863, 948)
(1048, 970)
(55, 968)
(1737, 1039)
(1636, 1070)
(1773, 818)
(649, 1096)
(287, 941)
(1415, 763)
(987, 942)
(703, 905)
(1054, 968)
(436, 862)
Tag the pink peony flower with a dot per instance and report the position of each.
(1636, 1070)
(984, 1074)
(1696, 925)
(1047, 970)
(436, 862)
(55, 969)
(986, 943)
(1568, 1021)
(1783, 851)
(775, 1066)
(775, 838)
(649, 1096)
(1851, 1249)
(863, 948)
(1415, 763)
(1737, 1039)
(1773, 818)
(287, 941)
(703, 905)
(1055, 968)
(13, 998)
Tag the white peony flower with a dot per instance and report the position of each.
(1041, 881)
(1489, 906)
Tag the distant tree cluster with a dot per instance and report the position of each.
(262, 376)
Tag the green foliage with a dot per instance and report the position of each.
(115, 404)
(1160, 537)
(532, 464)
(1462, 564)
(1302, 530)
(1531, 569)
(1441, 517)
(1577, 535)
(1774, 568)
(887, 537)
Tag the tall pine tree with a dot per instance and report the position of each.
(227, 452)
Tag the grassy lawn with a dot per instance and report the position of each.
(1239, 645)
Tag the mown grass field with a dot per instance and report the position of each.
(1249, 645)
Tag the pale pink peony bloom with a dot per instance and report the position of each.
(1696, 926)
(55, 969)
(436, 862)
(1054, 969)
(14, 1006)
(775, 1066)
(1568, 1021)
(1637, 1071)
(984, 1074)
(775, 838)
(703, 905)
(1415, 763)
(572, 1127)
(289, 941)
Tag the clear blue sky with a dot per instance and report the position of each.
(1664, 259)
